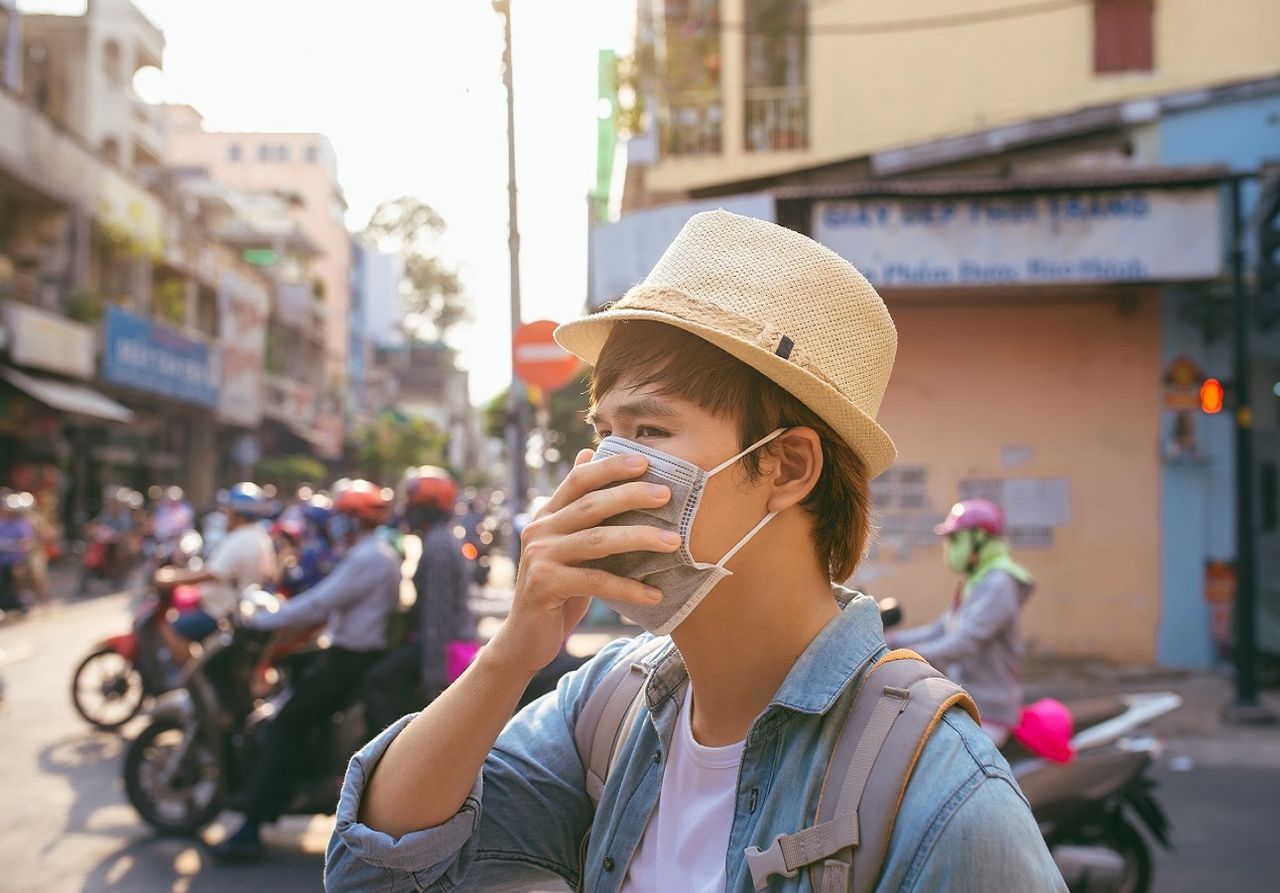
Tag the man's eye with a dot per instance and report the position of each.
(649, 431)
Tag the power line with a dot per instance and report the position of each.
(897, 26)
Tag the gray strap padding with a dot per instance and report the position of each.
(930, 699)
(605, 713)
(895, 711)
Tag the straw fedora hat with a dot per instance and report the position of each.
(779, 302)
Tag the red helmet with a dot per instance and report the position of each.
(364, 500)
(973, 514)
(431, 487)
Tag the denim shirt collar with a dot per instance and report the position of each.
(817, 679)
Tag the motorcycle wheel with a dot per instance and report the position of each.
(107, 689)
(1132, 847)
(175, 800)
(1127, 842)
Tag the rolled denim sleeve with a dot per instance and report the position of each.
(523, 822)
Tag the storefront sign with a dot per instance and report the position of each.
(1134, 235)
(44, 340)
(149, 356)
(243, 308)
(290, 401)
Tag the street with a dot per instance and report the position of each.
(67, 827)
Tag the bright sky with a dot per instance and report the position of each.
(410, 93)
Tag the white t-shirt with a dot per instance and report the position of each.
(244, 557)
(685, 845)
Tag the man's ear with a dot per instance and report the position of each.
(797, 461)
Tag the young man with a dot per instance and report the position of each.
(357, 600)
(745, 372)
(978, 642)
(244, 557)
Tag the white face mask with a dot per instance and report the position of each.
(683, 581)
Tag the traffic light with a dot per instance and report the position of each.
(1212, 396)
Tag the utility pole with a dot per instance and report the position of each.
(515, 396)
(1246, 708)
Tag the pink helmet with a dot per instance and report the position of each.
(973, 514)
(1045, 729)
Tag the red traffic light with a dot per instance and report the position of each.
(1211, 395)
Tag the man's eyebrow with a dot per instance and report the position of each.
(645, 406)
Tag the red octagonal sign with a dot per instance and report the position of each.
(538, 360)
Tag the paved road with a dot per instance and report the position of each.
(65, 826)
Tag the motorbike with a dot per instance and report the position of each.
(105, 557)
(1090, 807)
(194, 759)
(113, 682)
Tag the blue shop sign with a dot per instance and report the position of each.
(144, 354)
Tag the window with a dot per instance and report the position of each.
(282, 153)
(1123, 38)
(265, 152)
(111, 150)
(112, 66)
(776, 116)
(313, 154)
(686, 58)
(235, 152)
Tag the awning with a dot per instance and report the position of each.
(66, 397)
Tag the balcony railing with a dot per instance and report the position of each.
(692, 126)
(777, 119)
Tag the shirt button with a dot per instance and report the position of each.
(608, 863)
(657, 756)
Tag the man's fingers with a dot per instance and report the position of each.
(588, 476)
(600, 542)
(594, 507)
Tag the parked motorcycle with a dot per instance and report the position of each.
(1090, 806)
(194, 759)
(117, 677)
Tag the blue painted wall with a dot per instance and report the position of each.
(1197, 498)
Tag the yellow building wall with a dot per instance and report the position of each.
(876, 91)
(1066, 388)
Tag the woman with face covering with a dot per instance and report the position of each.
(978, 641)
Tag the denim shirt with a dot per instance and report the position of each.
(963, 824)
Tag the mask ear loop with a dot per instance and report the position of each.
(746, 539)
(751, 449)
(763, 521)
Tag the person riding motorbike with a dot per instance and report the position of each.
(978, 641)
(173, 516)
(357, 598)
(245, 556)
(416, 670)
(115, 531)
(16, 539)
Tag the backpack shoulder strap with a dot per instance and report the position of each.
(609, 713)
(897, 707)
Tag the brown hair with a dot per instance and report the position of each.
(680, 364)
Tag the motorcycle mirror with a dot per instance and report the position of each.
(890, 612)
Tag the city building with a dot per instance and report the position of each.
(1051, 230)
(302, 167)
(159, 325)
(429, 385)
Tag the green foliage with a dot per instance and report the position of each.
(566, 421)
(429, 288)
(84, 305)
(394, 442)
(169, 298)
(290, 472)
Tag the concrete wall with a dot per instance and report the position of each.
(875, 91)
(1043, 386)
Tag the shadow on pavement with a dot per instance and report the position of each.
(79, 759)
(185, 866)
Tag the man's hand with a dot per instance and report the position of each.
(553, 591)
